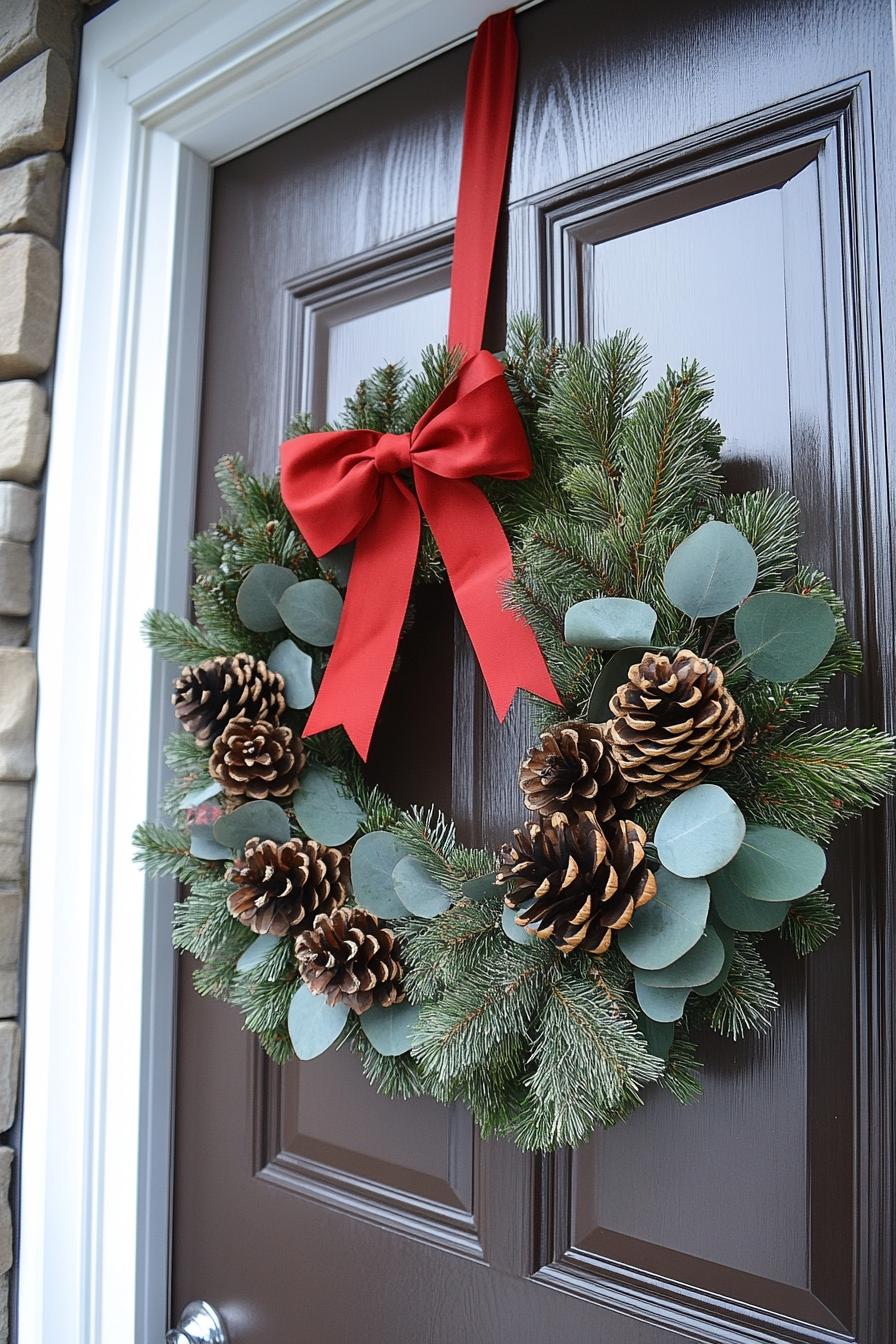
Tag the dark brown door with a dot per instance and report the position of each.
(718, 177)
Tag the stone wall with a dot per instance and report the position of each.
(38, 49)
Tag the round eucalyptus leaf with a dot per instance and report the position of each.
(259, 593)
(324, 809)
(294, 666)
(609, 623)
(658, 1035)
(389, 1029)
(478, 888)
(311, 610)
(203, 844)
(200, 794)
(699, 832)
(374, 857)
(313, 1024)
(660, 1005)
(338, 563)
(669, 925)
(774, 864)
(742, 912)
(256, 952)
(784, 636)
(712, 570)
(697, 967)
(417, 890)
(512, 929)
(261, 820)
(726, 936)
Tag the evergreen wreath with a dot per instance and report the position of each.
(669, 821)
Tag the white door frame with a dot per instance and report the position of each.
(168, 88)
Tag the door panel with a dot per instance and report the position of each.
(713, 179)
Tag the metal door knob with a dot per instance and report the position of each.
(199, 1324)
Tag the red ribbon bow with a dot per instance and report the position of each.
(346, 486)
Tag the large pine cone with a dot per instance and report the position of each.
(574, 771)
(280, 888)
(257, 760)
(583, 879)
(672, 721)
(353, 959)
(207, 697)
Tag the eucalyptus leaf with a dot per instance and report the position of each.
(612, 675)
(773, 864)
(339, 563)
(203, 844)
(257, 951)
(609, 623)
(697, 967)
(324, 809)
(712, 570)
(311, 610)
(313, 1024)
(660, 1005)
(417, 890)
(700, 831)
(259, 593)
(261, 820)
(742, 912)
(374, 858)
(478, 888)
(295, 667)
(668, 925)
(726, 937)
(389, 1029)
(200, 795)
(658, 1035)
(784, 636)
(513, 930)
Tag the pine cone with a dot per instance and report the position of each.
(280, 888)
(353, 959)
(257, 760)
(672, 721)
(207, 697)
(583, 879)
(574, 771)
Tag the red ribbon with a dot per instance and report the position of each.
(348, 485)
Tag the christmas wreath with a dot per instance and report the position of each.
(672, 811)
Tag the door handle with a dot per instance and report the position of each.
(199, 1324)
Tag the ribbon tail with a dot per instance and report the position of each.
(376, 600)
(479, 565)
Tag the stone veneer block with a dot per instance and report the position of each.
(30, 26)
(24, 430)
(34, 108)
(29, 304)
(18, 512)
(13, 632)
(15, 579)
(13, 821)
(29, 195)
(18, 705)
(10, 1043)
(6, 1156)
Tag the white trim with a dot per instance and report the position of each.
(166, 89)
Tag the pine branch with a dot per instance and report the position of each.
(177, 640)
(810, 922)
(748, 997)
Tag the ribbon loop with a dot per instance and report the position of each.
(392, 454)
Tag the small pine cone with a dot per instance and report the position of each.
(257, 760)
(672, 721)
(577, 880)
(280, 888)
(207, 697)
(574, 771)
(353, 959)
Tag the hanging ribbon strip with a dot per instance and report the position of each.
(347, 485)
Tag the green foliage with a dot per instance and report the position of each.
(542, 1048)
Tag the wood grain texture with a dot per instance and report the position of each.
(720, 177)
